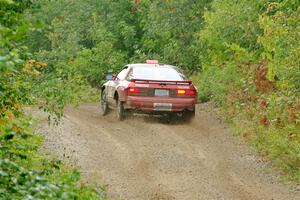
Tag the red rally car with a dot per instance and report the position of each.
(151, 88)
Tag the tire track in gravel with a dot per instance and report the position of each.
(146, 158)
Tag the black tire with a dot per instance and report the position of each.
(120, 110)
(103, 104)
(189, 115)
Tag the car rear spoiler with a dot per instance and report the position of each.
(161, 82)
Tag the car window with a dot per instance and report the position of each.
(156, 73)
(122, 74)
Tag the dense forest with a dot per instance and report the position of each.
(244, 56)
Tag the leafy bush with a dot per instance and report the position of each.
(251, 70)
(82, 38)
(170, 32)
(282, 45)
(24, 173)
(246, 53)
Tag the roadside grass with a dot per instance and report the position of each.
(92, 95)
(26, 173)
(269, 120)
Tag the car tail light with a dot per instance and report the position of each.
(133, 90)
(180, 91)
(186, 92)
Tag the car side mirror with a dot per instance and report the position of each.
(109, 77)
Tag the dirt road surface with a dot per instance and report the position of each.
(146, 158)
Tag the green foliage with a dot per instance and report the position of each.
(96, 62)
(230, 23)
(24, 173)
(100, 35)
(247, 53)
(13, 30)
(169, 32)
(282, 45)
(233, 22)
(78, 38)
(216, 83)
(251, 70)
(229, 41)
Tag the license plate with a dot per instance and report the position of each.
(162, 106)
(161, 93)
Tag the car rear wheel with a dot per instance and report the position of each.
(189, 115)
(103, 104)
(120, 111)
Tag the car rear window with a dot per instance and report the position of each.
(156, 73)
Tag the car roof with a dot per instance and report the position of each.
(137, 65)
(151, 65)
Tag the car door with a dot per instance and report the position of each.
(113, 85)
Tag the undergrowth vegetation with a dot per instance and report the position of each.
(252, 71)
(243, 55)
(24, 172)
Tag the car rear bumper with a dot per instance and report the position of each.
(150, 103)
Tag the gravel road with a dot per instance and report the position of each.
(146, 158)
